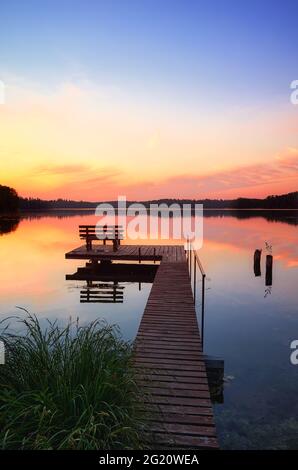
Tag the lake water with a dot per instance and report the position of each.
(248, 324)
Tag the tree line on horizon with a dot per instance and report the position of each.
(285, 201)
(10, 202)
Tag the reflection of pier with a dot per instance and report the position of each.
(168, 359)
(102, 280)
(102, 293)
(118, 272)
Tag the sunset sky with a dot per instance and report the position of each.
(148, 98)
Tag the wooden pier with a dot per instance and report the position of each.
(129, 253)
(168, 357)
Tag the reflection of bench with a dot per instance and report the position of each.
(102, 293)
(101, 232)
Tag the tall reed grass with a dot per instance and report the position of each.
(68, 388)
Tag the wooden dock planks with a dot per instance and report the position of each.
(128, 252)
(170, 364)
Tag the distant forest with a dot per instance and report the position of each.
(285, 201)
(10, 202)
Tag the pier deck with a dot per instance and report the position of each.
(129, 253)
(170, 364)
(168, 354)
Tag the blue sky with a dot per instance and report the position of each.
(227, 49)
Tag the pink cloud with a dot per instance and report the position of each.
(257, 180)
(262, 178)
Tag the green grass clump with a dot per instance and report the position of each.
(68, 388)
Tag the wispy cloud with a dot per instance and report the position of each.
(282, 169)
(60, 169)
(89, 182)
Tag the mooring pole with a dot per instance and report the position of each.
(269, 264)
(194, 279)
(187, 252)
(203, 309)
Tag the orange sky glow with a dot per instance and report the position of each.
(94, 143)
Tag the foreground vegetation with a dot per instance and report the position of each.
(68, 388)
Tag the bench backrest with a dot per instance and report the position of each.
(101, 232)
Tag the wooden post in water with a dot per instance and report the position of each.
(257, 262)
(203, 310)
(269, 265)
(194, 280)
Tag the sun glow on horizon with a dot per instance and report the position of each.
(93, 143)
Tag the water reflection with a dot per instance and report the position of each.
(284, 216)
(287, 216)
(8, 224)
(103, 280)
(251, 333)
(102, 293)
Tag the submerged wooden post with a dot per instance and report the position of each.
(269, 265)
(215, 375)
(257, 262)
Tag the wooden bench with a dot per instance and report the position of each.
(90, 233)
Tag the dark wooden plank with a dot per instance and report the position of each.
(181, 441)
(174, 387)
(185, 429)
(171, 378)
(176, 392)
(181, 410)
(179, 418)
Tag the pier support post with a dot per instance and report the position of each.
(257, 263)
(269, 265)
(203, 310)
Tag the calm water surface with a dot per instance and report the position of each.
(248, 324)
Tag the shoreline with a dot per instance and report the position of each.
(70, 209)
